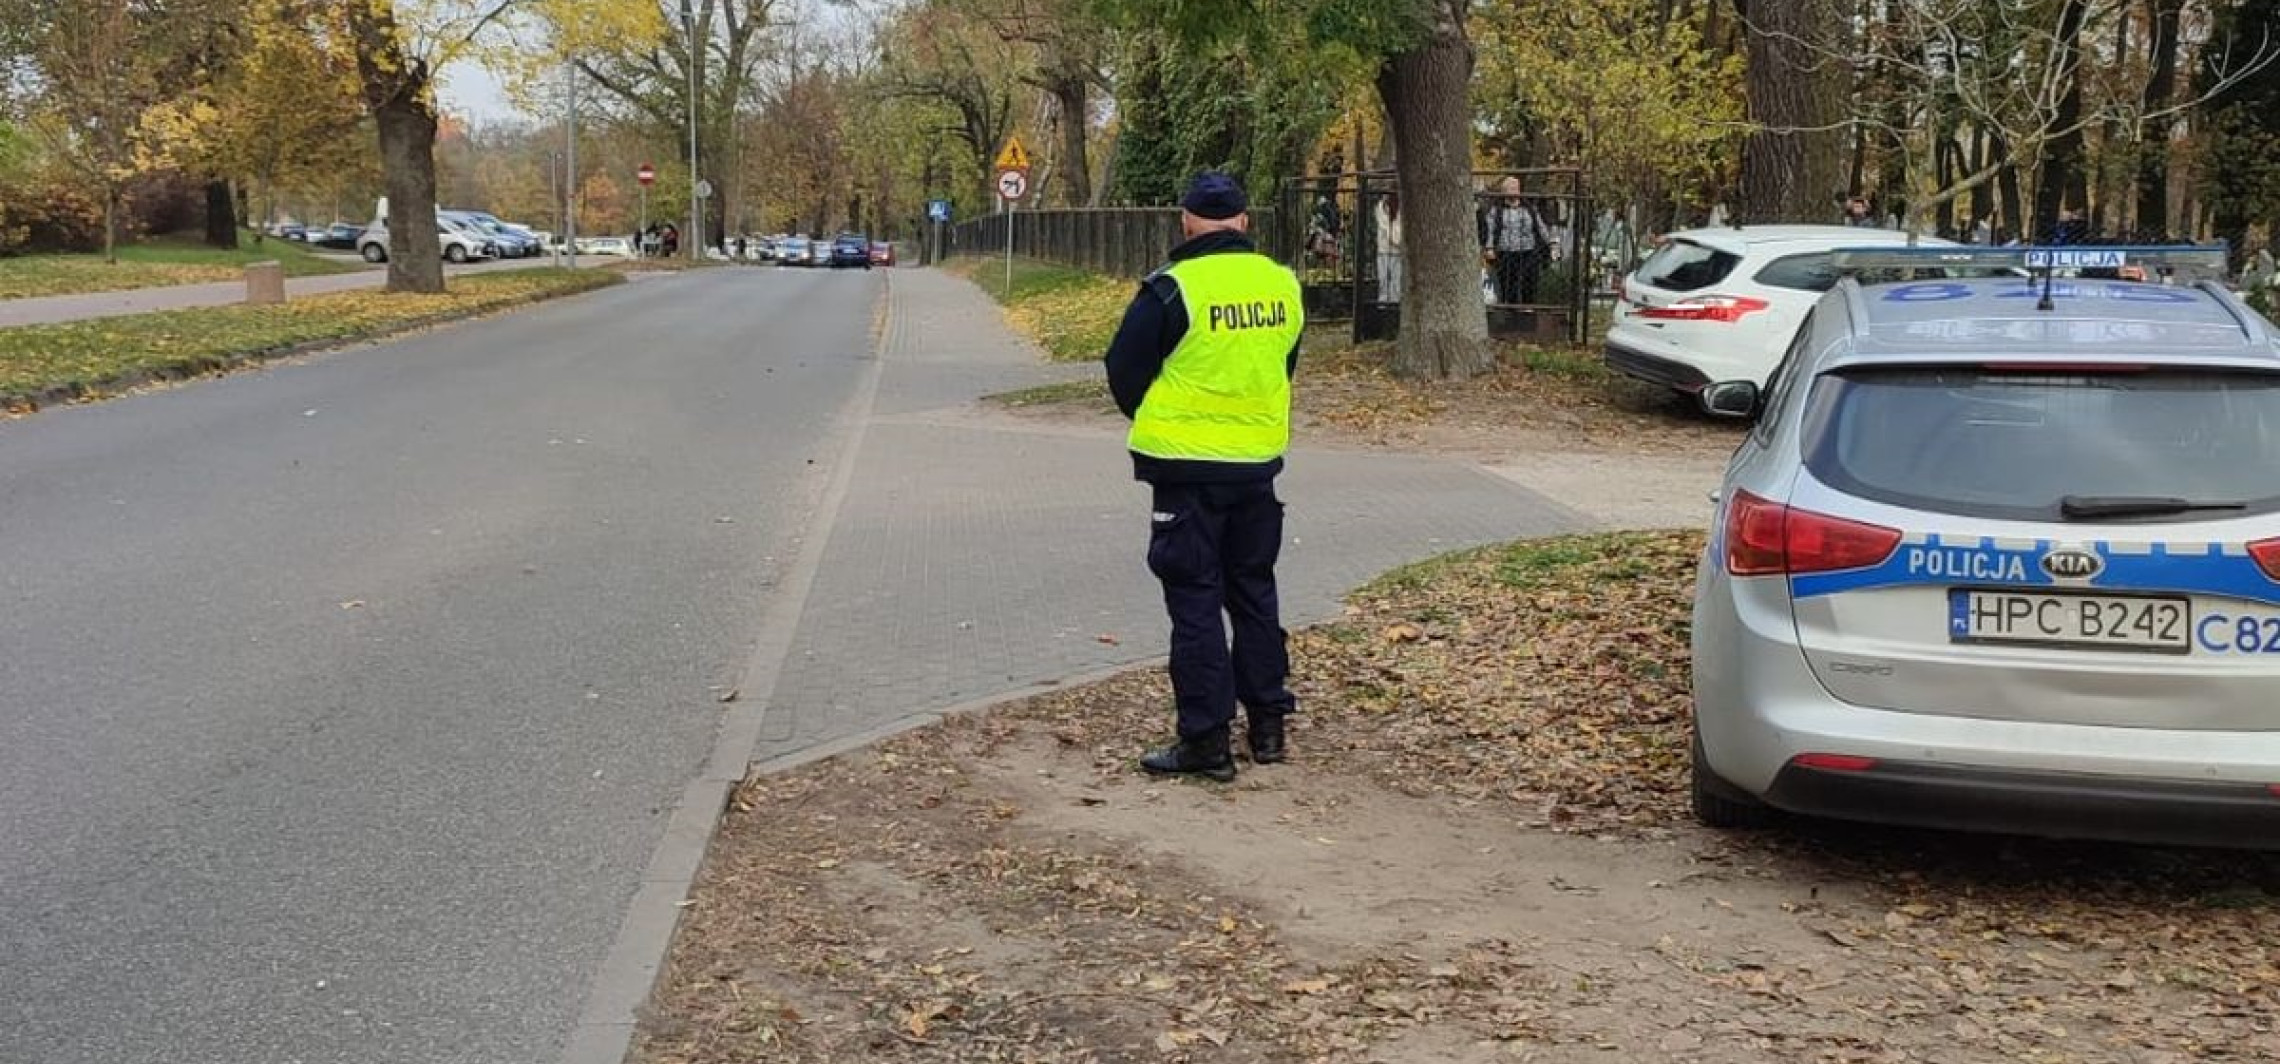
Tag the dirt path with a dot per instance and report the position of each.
(991, 891)
(1481, 855)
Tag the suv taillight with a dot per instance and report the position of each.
(1728, 309)
(1765, 538)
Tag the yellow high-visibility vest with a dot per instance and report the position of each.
(1224, 394)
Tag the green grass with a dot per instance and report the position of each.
(42, 364)
(153, 264)
(1527, 564)
(1031, 278)
(1089, 392)
(1565, 363)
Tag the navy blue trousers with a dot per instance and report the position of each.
(1214, 548)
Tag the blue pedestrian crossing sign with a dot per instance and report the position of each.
(938, 210)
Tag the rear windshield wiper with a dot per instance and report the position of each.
(2082, 507)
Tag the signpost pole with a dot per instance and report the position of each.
(1010, 207)
(570, 159)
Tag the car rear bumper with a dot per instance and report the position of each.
(1654, 369)
(1759, 707)
(2050, 804)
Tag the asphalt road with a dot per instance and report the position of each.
(342, 703)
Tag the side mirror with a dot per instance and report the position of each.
(1730, 399)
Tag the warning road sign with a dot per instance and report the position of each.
(1013, 156)
(1013, 184)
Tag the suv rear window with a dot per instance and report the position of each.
(2010, 444)
(1683, 266)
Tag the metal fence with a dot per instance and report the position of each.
(1116, 241)
(1536, 275)
(1341, 233)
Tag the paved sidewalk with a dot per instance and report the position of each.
(48, 310)
(976, 555)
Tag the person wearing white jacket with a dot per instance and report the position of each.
(1387, 217)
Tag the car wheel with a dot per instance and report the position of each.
(375, 253)
(1719, 804)
(455, 253)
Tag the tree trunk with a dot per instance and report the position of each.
(407, 168)
(110, 224)
(2153, 148)
(1071, 99)
(1983, 197)
(1793, 164)
(1944, 157)
(398, 92)
(1426, 91)
(2062, 153)
(221, 216)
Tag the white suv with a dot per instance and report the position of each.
(458, 245)
(1717, 305)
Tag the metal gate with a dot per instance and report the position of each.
(1343, 236)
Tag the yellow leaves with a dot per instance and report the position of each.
(1072, 317)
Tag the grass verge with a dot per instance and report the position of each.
(154, 264)
(45, 364)
(1073, 394)
(1068, 312)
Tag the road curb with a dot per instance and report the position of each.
(222, 365)
(627, 978)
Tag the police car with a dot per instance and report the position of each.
(2002, 552)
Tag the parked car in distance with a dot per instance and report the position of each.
(850, 249)
(882, 253)
(505, 240)
(339, 236)
(617, 246)
(459, 243)
(1715, 305)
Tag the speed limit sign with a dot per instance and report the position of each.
(1012, 184)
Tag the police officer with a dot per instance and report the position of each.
(1202, 365)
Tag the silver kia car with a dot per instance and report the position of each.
(2002, 553)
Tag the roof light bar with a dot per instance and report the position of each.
(2024, 257)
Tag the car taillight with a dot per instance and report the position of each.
(1753, 536)
(2267, 555)
(1707, 308)
(1764, 538)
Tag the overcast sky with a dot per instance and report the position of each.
(471, 92)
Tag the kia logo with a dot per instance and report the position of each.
(2072, 563)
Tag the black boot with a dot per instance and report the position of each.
(1266, 736)
(1208, 757)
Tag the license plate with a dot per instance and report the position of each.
(2157, 624)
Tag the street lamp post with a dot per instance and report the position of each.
(695, 238)
(570, 158)
(554, 192)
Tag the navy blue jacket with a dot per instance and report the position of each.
(1153, 326)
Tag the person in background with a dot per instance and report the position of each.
(1388, 222)
(1857, 214)
(1202, 364)
(1515, 241)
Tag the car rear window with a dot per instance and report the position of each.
(1806, 273)
(2011, 444)
(1684, 266)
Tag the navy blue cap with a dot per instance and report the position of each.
(1214, 195)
